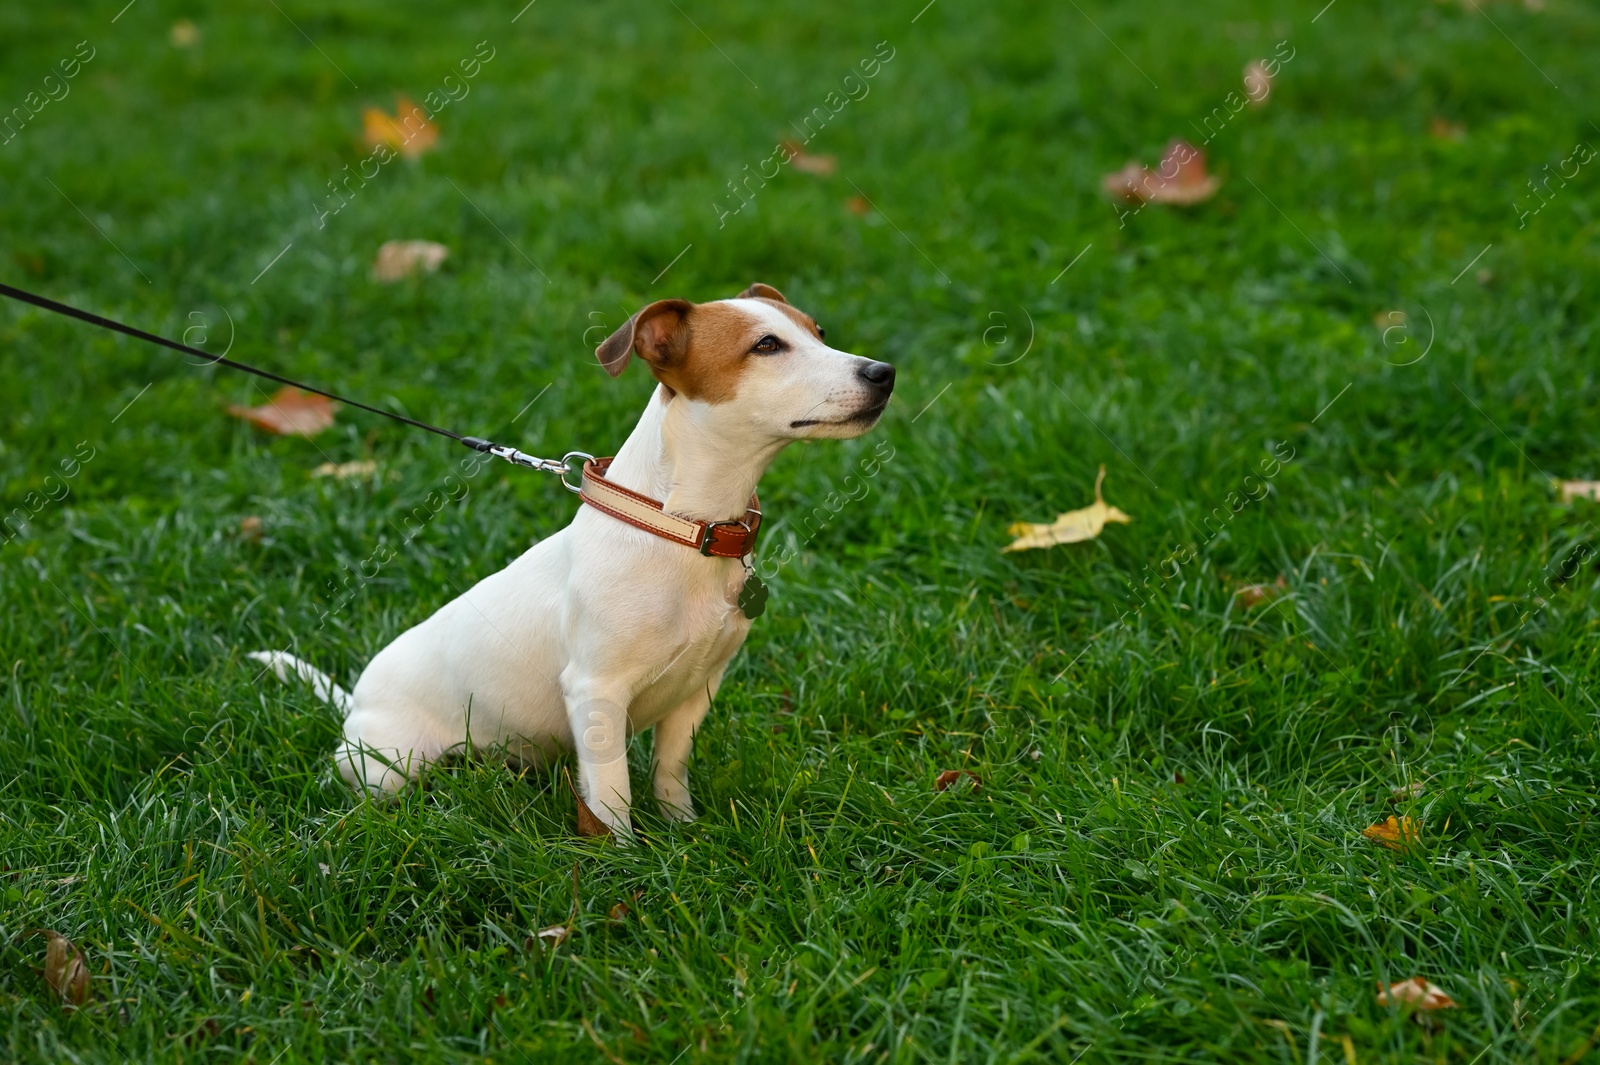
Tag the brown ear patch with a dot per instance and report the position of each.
(715, 343)
(758, 291)
(657, 333)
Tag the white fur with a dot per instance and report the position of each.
(602, 630)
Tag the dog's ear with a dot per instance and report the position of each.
(761, 292)
(657, 333)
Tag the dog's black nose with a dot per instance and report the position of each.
(878, 374)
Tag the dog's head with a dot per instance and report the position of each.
(757, 362)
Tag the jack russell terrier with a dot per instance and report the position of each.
(629, 616)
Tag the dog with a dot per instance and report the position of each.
(618, 622)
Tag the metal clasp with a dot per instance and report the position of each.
(711, 527)
(566, 468)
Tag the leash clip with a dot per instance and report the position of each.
(560, 467)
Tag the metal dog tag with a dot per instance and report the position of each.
(753, 597)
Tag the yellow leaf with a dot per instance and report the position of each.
(1396, 833)
(1069, 528)
(408, 131)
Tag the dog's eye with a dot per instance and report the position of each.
(768, 345)
(822, 334)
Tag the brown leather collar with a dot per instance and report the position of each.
(723, 539)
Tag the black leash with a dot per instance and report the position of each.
(560, 466)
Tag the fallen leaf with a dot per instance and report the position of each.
(555, 935)
(1257, 82)
(858, 205)
(802, 160)
(588, 825)
(1389, 319)
(346, 470)
(64, 969)
(1069, 528)
(399, 259)
(1410, 791)
(1445, 130)
(408, 131)
(1423, 994)
(184, 34)
(1250, 595)
(1180, 180)
(1570, 490)
(250, 529)
(1177, 778)
(618, 913)
(1396, 833)
(950, 776)
(290, 412)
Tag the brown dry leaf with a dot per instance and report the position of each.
(1423, 994)
(290, 412)
(858, 205)
(1570, 490)
(399, 259)
(553, 936)
(250, 528)
(1396, 833)
(346, 470)
(588, 825)
(184, 34)
(1180, 179)
(408, 131)
(1445, 130)
(1257, 82)
(618, 913)
(1069, 528)
(64, 969)
(804, 161)
(950, 776)
(1250, 595)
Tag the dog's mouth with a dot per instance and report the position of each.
(868, 413)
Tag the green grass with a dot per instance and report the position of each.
(1164, 861)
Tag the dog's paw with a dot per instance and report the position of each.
(676, 808)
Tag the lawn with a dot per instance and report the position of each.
(1349, 377)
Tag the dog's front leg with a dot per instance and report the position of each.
(599, 720)
(674, 741)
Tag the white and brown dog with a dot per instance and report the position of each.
(629, 616)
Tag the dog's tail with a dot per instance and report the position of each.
(287, 666)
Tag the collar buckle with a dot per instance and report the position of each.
(711, 528)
